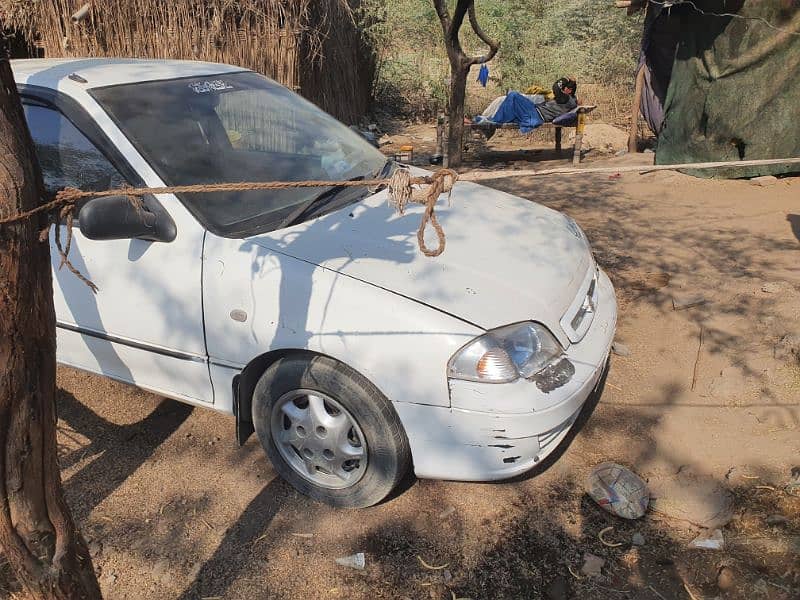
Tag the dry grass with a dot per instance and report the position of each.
(312, 46)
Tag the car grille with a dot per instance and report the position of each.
(579, 316)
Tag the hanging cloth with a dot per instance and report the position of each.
(483, 75)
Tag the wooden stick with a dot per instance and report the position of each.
(576, 155)
(486, 175)
(697, 359)
(636, 108)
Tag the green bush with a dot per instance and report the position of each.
(540, 40)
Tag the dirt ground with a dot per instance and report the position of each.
(173, 509)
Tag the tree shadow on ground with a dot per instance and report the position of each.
(539, 548)
(794, 222)
(236, 552)
(117, 450)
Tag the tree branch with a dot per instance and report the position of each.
(493, 46)
(444, 16)
(458, 20)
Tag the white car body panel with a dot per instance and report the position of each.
(401, 346)
(54, 73)
(136, 302)
(497, 268)
(502, 430)
(184, 318)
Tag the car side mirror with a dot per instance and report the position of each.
(117, 218)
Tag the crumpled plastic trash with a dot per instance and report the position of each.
(354, 561)
(618, 490)
(709, 540)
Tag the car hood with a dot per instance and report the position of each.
(506, 260)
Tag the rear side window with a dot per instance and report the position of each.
(67, 157)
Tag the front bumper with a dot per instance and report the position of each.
(498, 431)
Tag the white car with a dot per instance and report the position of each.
(310, 314)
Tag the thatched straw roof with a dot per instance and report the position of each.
(313, 46)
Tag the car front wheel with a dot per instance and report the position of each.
(329, 432)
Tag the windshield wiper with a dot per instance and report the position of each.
(297, 215)
(387, 168)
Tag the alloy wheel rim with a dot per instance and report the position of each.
(319, 439)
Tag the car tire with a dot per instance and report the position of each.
(329, 432)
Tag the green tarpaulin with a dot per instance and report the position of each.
(734, 88)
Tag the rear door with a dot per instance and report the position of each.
(145, 324)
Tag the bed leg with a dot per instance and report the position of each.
(558, 141)
(576, 157)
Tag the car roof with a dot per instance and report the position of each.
(99, 72)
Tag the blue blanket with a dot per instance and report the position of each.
(516, 108)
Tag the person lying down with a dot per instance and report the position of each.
(530, 111)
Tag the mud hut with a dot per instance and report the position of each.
(312, 46)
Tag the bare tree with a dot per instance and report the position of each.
(460, 64)
(37, 534)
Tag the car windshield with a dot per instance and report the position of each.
(237, 127)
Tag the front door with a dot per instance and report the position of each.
(145, 324)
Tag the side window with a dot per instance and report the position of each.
(67, 157)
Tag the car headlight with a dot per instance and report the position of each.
(504, 355)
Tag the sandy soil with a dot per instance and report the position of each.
(173, 509)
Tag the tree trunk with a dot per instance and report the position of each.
(458, 89)
(37, 534)
(460, 65)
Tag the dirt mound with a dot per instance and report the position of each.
(602, 137)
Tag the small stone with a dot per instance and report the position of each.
(637, 539)
(592, 565)
(447, 576)
(709, 540)
(684, 301)
(620, 349)
(647, 151)
(384, 140)
(771, 288)
(777, 520)
(622, 152)
(726, 579)
(764, 180)
(95, 548)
